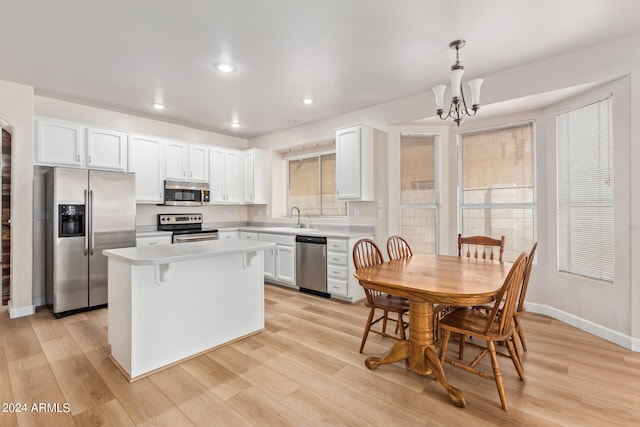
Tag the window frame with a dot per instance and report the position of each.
(436, 185)
(533, 205)
(318, 155)
(611, 142)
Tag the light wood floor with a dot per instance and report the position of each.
(304, 369)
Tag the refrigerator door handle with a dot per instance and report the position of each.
(86, 233)
(91, 238)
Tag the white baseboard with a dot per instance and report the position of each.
(27, 310)
(38, 301)
(615, 337)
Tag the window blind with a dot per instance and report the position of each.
(497, 185)
(585, 191)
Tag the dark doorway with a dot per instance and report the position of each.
(6, 216)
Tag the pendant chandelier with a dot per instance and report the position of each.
(458, 108)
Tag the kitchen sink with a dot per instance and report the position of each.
(290, 229)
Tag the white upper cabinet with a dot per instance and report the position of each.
(225, 178)
(354, 163)
(59, 142)
(106, 149)
(199, 162)
(146, 160)
(186, 161)
(176, 160)
(255, 176)
(62, 143)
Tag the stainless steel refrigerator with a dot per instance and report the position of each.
(87, 211)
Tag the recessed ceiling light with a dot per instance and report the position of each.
(235, 124)
(307, 101)
(225, 67)
(158, 106)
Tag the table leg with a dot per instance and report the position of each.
(420, 350)
(455, 394)
(399, 351)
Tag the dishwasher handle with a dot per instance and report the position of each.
(312, 239)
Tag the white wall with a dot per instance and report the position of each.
(609, 312)
(16, 110)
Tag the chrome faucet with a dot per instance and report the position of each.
(291, 214)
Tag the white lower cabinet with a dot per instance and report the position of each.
(247, 235)
(232, 234)
(340, 280)
(280, 262)
(338, 267)
(153, 240)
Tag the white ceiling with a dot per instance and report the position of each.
(346, 54)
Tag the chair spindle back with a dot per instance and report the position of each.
(398, 247)
(485, 243)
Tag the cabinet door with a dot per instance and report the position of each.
(233, 177)
(270, 263)
(59, 143)
(348, 164)
(145, 160)
(286, 264)
(199, 163)
(176, 155)
(216, 175)
(249, 185)
(255, 176)
(106, 149)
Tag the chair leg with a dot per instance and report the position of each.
(517, 361)
(445, 343)
(497, 375)
(400, 323)
(384, 322)
(366, 329)
(403, 336)
(520, 332)
(516, 347)
(463, 339)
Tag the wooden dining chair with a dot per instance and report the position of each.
(497, 325)
(398, 247)
(520, 307)
(366, 254)
(486, 244)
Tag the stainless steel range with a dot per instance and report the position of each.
(186, 227)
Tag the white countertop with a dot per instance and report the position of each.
(164, 254)
(339, 234)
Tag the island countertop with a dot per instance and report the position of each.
(164, 254)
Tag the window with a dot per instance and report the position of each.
(418, 191)
(585, 191)
(312, 185)
(497, 191)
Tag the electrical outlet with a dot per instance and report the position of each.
(259, 212)
(379, 213)
(378, 203)
(226, 212)
(356, 212)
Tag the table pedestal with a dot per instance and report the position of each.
(419, 350)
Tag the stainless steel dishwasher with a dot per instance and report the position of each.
(311, 265)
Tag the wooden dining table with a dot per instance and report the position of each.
(427, 280)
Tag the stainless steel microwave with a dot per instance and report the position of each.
(185, 193)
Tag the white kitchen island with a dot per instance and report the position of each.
(168, 303)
